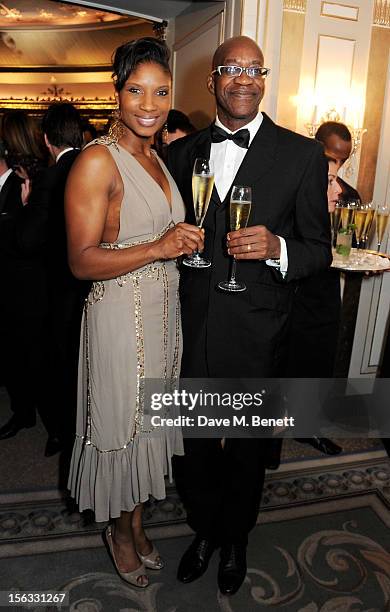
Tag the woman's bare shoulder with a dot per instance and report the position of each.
(95, 160)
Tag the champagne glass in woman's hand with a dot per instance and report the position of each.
(240, 208)
(202, 186)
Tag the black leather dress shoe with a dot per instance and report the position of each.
(195, 560)
(232, 569)
(11, 428)
(53, 446)
(324, 445)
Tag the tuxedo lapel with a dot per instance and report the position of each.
(202, 148)
(259, 158)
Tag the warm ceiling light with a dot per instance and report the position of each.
(82, 13)
(12, 13)
(45, 15)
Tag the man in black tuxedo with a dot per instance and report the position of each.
(62, 129)
(23, 301)
(242, 335)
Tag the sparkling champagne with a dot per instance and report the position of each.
(335, 218)
(202, 186)
(347, 216)
(381, 223)
(368, 222)
(239, 214)
(360, 220)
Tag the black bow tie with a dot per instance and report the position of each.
(240, 138)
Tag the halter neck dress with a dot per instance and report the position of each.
(130, 332)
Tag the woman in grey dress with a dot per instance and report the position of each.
(125, 231)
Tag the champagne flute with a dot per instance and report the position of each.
(382, 217)
(370, 207)
(360, 222)
(240, 208)
(348, 213)
(202, 186)
(335, 220)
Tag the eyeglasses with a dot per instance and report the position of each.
(254, 72)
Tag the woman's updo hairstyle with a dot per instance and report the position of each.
(130, 55)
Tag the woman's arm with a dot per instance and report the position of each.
(93, 184)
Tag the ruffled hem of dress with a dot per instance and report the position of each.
(115, 481)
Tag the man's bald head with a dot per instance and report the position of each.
(228, 48)
(237, 97)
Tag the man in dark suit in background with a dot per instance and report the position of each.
(242, 335)
(62, 129)
(337, 141)
(23, 301)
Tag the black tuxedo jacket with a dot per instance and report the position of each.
(22, 241)
(65, 291)
(244, 334)
(52, 190)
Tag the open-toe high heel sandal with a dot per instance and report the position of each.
(130, 577)
(152, 560)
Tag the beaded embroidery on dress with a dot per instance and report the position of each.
(130, 332)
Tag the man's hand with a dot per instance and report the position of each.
(254, 242)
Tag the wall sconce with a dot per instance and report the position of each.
(330, 115)
(351, 164)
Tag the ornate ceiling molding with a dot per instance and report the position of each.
(298, 6)
(382, 13)
(45, 14)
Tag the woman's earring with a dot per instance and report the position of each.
(116, 130)
(164, 134)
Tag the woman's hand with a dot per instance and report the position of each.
(183, 239)
(25, 191)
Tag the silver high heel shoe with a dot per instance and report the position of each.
(152, 560)
(130, 577)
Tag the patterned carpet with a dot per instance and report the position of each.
(332, 559)
(322, 543)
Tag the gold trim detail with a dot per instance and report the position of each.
(139, 334)
(86, 348)
(297, 6)
(165, 319)
(96, 293)
(382, 13)
(175, 363)
(157, 271)
(112, 450)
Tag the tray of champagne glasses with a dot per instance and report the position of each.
(362, 260)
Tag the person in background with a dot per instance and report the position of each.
(177, 126)
(315, 322)
(61, 126)
(26, 152)
(89, 132)
(337, 141)
(23, 298)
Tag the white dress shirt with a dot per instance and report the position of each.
(4, 177)
(227, 157)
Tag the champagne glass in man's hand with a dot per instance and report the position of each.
(240, 208)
